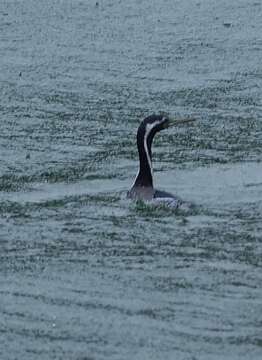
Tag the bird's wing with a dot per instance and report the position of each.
(164, 194)
(165, 198)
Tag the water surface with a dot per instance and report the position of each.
(84, 273)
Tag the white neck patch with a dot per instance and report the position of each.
(149, 128)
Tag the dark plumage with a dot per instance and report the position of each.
(143, 188)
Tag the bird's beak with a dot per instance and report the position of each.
(175, 122)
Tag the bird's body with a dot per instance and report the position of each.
(143, 188)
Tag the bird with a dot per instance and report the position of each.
(143, 188)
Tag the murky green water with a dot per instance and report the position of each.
(85, 274)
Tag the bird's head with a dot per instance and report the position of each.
(155, 123)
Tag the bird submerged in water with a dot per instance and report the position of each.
(143, 188)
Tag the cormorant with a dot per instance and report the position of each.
(143, 188)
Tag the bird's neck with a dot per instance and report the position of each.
(145, 174)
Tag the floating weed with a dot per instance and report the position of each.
(154, 210)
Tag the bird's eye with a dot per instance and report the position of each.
(165, 122)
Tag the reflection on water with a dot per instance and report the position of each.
(84, 272)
